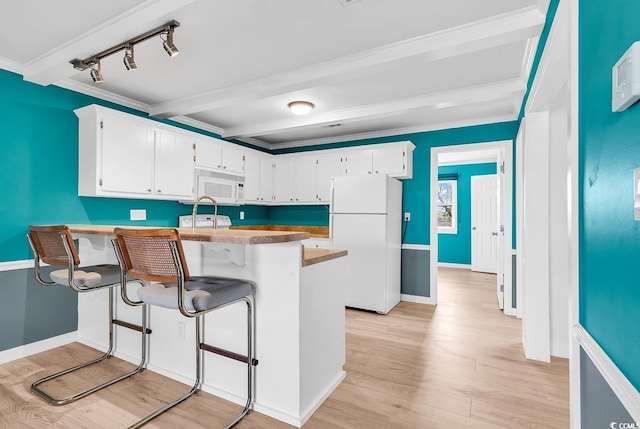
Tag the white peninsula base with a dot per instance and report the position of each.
(300, 331)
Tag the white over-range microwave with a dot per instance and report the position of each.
(225, 189)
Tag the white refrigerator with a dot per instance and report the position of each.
(366, 220)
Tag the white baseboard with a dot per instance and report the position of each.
(306, 415)
(621, 386)
(418, 299)
(452, 265)
(37, 347)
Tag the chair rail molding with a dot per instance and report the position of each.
(621, 386)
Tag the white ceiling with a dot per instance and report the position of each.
(372, 67)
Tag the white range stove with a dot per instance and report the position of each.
(204, 221)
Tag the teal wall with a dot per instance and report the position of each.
(415, 197)
(456, 248)
(39, 169)
(609, 145)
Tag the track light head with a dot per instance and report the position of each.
(128, 60)
(168, 45)
(95, 73)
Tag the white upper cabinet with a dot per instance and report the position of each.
(304, 179)
(258, 177)
(215, 155)
(328, 165)
(119, 159)
(173, 165)
(124, 156)
(394, 159)
(357, 162)
(283, 179)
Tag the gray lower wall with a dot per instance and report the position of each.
(30, 312)
(416, 267)
(600, 407)
(416, 279)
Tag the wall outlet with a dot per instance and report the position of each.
(181, 329)
(137, 214)
(241, 215)
(407, 216)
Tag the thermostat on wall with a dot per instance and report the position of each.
(626, 79)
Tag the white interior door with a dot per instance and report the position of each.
(484, 224)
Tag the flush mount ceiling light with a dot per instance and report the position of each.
(128, 60)
(301, 107)
(93, 62)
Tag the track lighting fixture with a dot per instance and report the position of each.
(93, 62)
(128, 60)
(168, 44)
(95, 72)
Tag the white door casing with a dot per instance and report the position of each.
(505, 147)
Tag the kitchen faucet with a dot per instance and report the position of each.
(195, 211)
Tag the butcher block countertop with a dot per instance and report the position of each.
(232, 236)
(310, 256)
(314, 231)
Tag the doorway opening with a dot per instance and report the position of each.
(500, 153)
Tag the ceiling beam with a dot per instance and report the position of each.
(441, 100)
(54, 66)
(495, 31)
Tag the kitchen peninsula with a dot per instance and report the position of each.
(300, 337)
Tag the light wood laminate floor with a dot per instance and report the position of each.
(459, 365)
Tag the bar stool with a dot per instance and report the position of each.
(54, 245)
(156, 255)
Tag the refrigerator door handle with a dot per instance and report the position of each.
(331, 229)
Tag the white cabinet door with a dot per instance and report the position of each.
(208, 154)
(328, 166)
(266, 178)
(304, 179)
(252, 177)
(233, 160)
(212, 154)
(389, 160)
(127, 156)
(174, 166)
(358, 162)
(283, 180)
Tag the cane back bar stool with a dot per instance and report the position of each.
(54, 245)
(156, 255)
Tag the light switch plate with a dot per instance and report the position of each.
(135, 214)
(625, 79)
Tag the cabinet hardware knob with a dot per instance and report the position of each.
(219, 165)
(159, 190)
(148, 190)
(377, 171)
(224, 167)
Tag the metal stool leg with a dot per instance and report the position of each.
(62, 401)
(200, 348)
(196, 386)
(250, 364)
